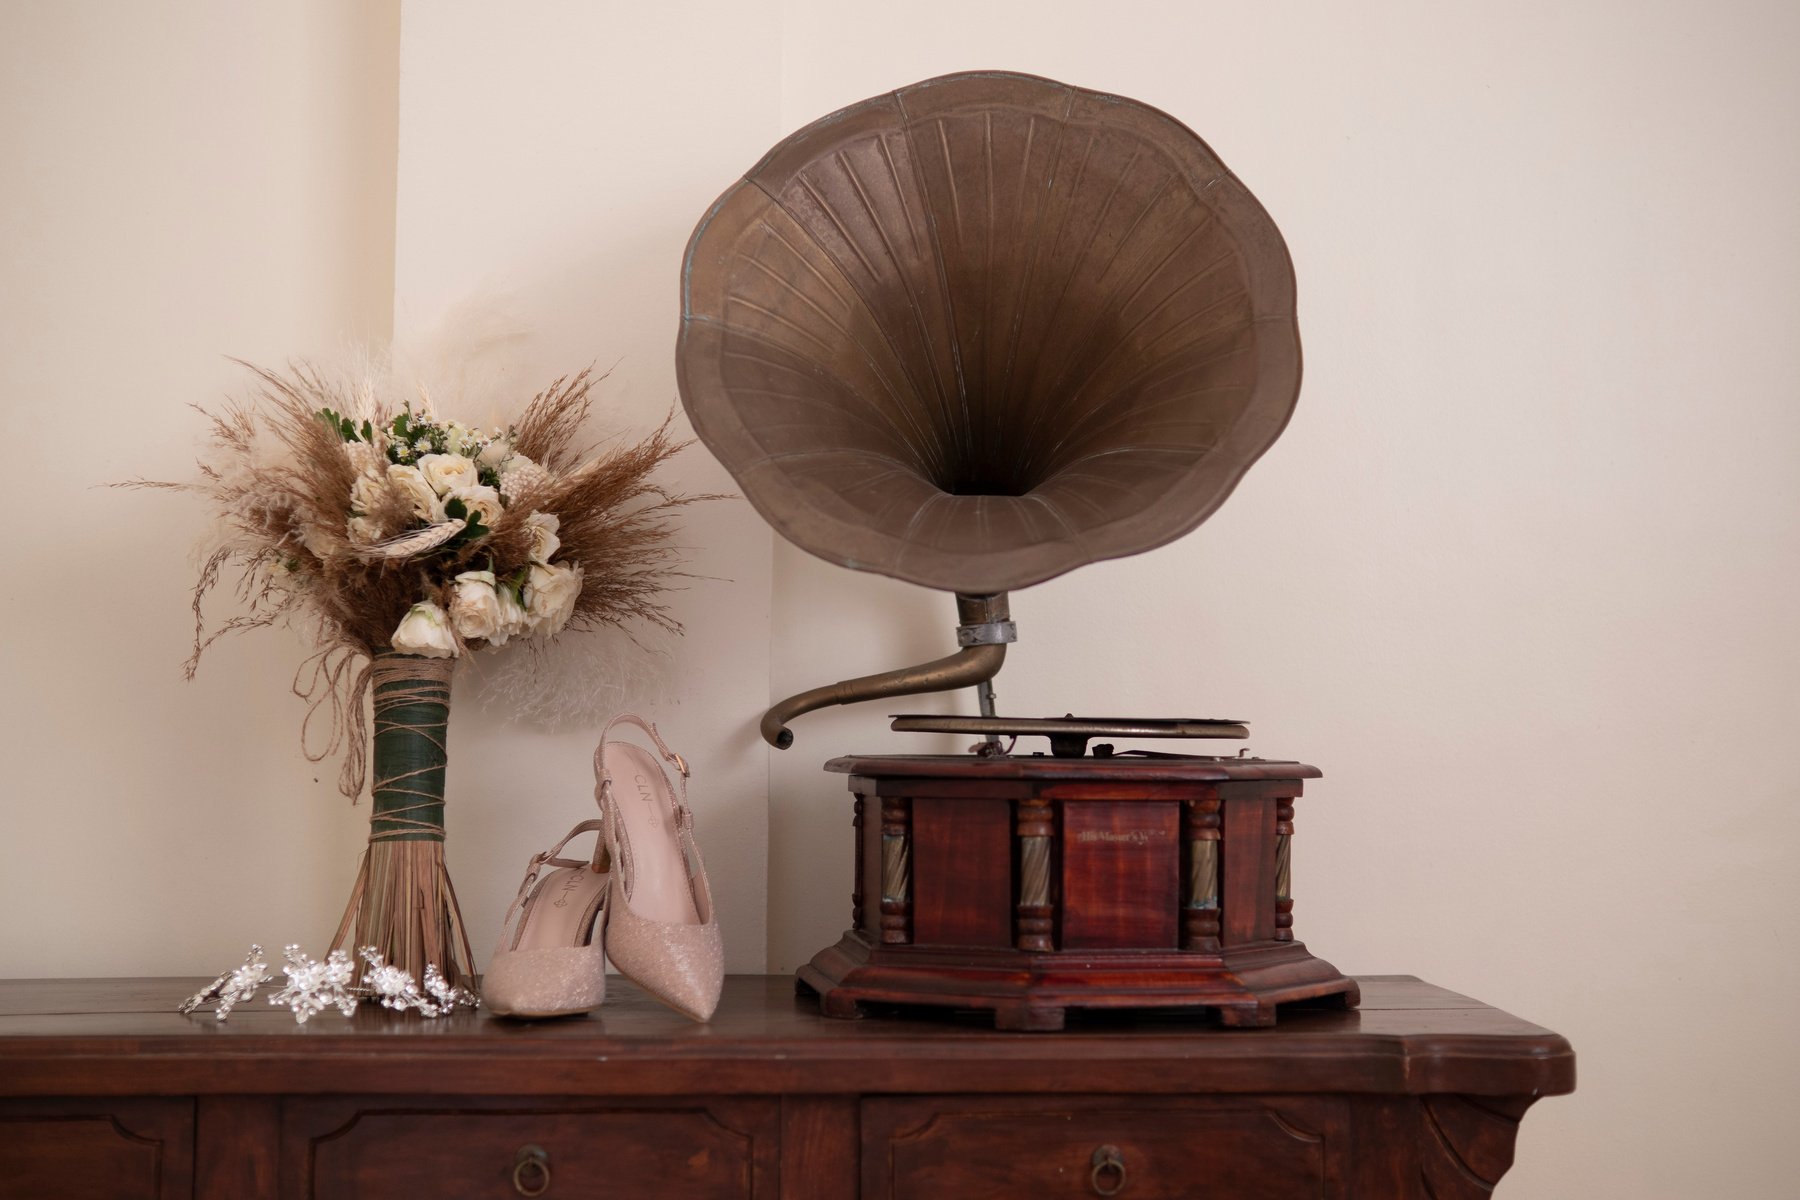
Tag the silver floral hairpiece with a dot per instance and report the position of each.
(314, 985)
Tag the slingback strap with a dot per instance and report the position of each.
(684, 816)
(550, 858)
(662, 747)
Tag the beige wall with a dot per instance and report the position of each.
(180, 182)
(1519, 575)
(553, 159)
(1517, 578)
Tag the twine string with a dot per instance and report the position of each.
(336, 689)
(410, 683)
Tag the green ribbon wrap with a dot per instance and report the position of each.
(403, 906)
(412, 716)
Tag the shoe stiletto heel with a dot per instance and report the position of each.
(661, 932)
(552, 961)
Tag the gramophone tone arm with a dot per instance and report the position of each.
(966, 667)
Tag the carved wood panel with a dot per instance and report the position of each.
(1270, 1148)
(110, 1149)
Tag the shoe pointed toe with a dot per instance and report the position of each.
(681, 965)
(548, 982)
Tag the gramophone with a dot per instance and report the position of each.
(973, 334)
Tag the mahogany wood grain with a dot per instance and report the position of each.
(108, 1092)
(1248, 873)
(1120, 880)
(1055, 861)
(1270, 1148)
(821, 1145)
(962, 876)
(379, 1149)
(123, 1038)
(83, 1149)
(237, 1147)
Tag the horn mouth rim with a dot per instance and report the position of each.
(1191, 496)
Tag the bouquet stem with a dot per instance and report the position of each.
(403, 903)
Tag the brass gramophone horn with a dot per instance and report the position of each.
(981, 331)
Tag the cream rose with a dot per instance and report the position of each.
(425, 631)
(475, 607)
(494, 453)
(550, 596)
(447, 472)
(316, 539)
(480, 501)
(410, 483)
(542, 527)
(514, 620)
(365, 494)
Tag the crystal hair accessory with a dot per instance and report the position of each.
(314, 985)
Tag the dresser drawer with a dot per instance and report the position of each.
(707, 1150)
(107, 1149)
(1141, 1148)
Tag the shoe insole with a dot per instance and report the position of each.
(561, 911)
(646, 812)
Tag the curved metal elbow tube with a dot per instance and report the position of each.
(969, 666)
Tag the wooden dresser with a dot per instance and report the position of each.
(106, 1092)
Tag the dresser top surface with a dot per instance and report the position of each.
(122, 1036)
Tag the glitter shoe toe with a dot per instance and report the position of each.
(551, 961)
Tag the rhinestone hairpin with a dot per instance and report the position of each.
(314, 985)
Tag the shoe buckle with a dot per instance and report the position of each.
(680, 763)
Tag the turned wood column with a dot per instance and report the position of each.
(856, 890)
(896, 871)
(1284, 899)
(1200, 874)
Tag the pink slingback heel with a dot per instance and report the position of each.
(660, 929)
(552, 962)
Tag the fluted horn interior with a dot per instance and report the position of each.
(982, 330)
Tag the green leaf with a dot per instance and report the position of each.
(368, 432)
(456, 509)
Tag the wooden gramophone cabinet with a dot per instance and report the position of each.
(1034, 884)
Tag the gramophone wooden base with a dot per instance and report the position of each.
(1034, 991)
(1031, 885)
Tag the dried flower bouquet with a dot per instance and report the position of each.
(404, 541)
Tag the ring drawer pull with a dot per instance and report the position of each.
(1108, 1176)
(531, 1171)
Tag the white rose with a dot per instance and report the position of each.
(542, 527)
(494, 453)
(550, 596)
(316, 539)
(514, 620)
(365, 494)
(480, 501)
(410, 483)
(475, 608)
(447, 472)
(425, 631)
